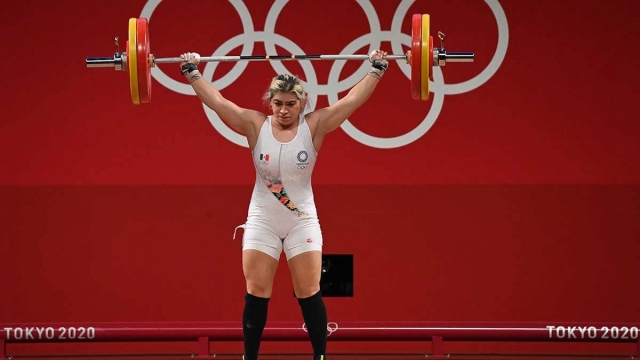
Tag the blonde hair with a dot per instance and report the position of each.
(287, 84)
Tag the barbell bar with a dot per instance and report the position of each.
(138, 60)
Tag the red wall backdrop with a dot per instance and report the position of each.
(521, 202)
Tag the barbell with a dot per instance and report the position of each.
(138, 60)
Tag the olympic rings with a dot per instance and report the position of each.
(331, 327)
(334, 85)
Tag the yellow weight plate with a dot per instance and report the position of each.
(132, 60)
(424, 58)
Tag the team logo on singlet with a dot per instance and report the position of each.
(264, 159)
(302, 160)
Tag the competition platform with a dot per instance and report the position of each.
(347, 340)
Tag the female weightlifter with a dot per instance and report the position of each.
(282, 213)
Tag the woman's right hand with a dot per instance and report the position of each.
(189, 66)
(190, 57)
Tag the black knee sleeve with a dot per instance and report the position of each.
(315, 317)
(254, 318)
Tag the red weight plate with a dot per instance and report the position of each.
(416, 55)
(144, 70)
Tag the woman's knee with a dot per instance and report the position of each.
(259, 289)
(307, 291)
(259, 283)
(259, 272)
(306, 272)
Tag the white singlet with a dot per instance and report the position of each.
(282, 212)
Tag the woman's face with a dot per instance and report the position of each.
(286, 108)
